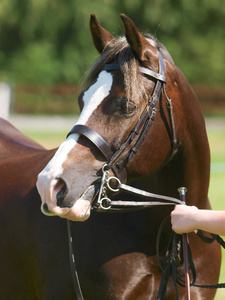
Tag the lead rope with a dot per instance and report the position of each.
(76, 282)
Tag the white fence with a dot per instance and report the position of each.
(5, 99)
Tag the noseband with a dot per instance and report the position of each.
(115, 159)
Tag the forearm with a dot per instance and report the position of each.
(211, 221)
(186, 219)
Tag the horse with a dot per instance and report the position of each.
(128, 133)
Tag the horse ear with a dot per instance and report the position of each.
(100, 36)
(143, 50)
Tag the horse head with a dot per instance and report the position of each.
(119, 90)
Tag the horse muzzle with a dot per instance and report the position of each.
(59, 199)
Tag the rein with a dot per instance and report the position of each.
(174, 258)
(104, 203)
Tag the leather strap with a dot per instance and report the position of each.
(144, 123)
(133, 205)
(101, 144)
(138, 192)
(158, 76)
(73, 268)
(110, 67)
(95, 138)
(153, 74)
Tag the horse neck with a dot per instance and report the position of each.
(193, 157)
(190, 166)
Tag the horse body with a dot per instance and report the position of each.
(26, 256)
(115, 253)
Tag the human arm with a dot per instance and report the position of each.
(186, 219)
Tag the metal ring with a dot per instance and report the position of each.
(107, 202)
(105, 168)
(108, 184)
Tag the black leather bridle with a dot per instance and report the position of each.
(117, 161)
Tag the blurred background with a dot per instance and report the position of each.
(46, 48)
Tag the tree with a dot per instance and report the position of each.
(49, 41)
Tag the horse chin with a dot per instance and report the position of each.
(79, 211)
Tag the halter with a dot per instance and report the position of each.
(116, 160)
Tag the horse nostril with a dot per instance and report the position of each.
(61, 187)
(45, 208)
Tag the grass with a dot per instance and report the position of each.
(217, 187)
(217, 181)
(216, 194)
(49, 140)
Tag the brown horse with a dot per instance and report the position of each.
(115, 253)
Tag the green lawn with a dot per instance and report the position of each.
(50, 140)
(216, 194)
(217, 186)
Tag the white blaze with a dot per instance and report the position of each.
(92, 99)
(95, 95)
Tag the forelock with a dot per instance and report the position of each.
(122, 53)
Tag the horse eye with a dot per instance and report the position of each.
(127, 107)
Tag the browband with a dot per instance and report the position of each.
(158, 76)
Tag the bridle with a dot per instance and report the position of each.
(117, 160)
(117, 163)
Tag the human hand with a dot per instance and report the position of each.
(183, 218)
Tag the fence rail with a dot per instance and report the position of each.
(61, 99)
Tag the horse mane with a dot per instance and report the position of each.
(122, 52)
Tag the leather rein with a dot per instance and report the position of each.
(117, 160)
